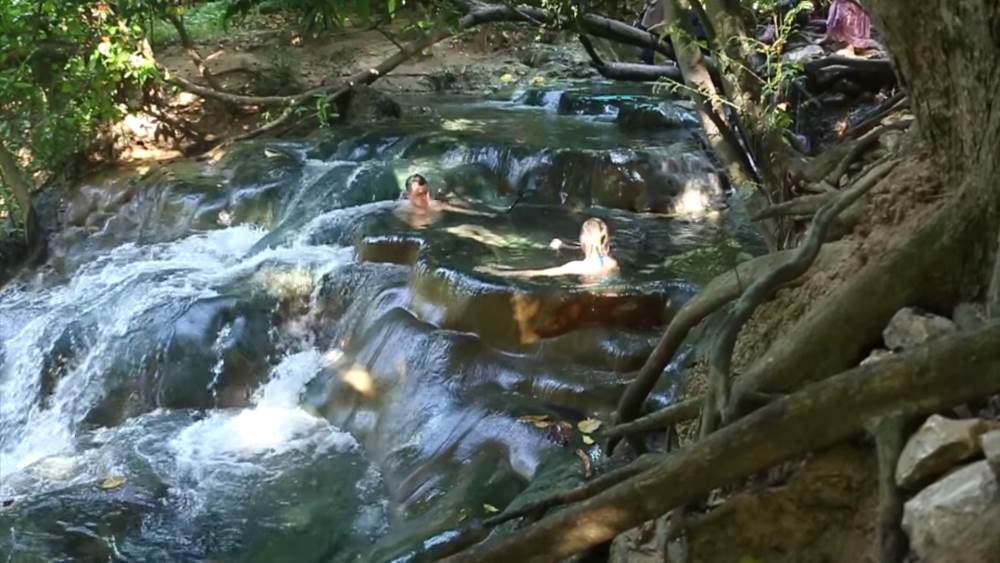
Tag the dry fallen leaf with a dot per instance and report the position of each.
(112, 483)
(589, 425)
(490, 508)
(588, 440)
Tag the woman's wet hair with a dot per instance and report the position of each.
(417, 179)
(594, 237)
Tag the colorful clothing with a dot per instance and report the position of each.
(848, 22)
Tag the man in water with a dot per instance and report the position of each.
(597, 261)
(420, 210)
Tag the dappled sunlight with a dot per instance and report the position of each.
(526, 308)
(462, 125)
(486, 236)
(693, 202)
(359, 379)
(593, 527)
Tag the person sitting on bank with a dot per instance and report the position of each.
(420, 209)
(848, 24)
(597, 260)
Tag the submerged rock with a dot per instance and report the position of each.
(664, 115)
(936, 447)
(911, 327)
(957, 519)
(367, 104)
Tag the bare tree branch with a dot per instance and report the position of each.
(192, 51)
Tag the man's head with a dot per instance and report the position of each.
(594, 238)
(418, 191)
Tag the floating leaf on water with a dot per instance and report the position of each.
(112, 483)
(537, 79)
(588, 440)
(490, 508)
(588, 425)
(507, 77)
(543, 423)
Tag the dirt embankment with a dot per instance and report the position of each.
(283, 62)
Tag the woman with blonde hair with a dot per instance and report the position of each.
(595, 242)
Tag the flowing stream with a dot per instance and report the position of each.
(253, 358)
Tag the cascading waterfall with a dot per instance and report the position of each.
(256, 360)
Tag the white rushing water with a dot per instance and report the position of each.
(101, 312)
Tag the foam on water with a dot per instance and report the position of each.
(104, 305)
(273, 426)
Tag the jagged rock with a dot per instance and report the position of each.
(647, 116)
(940, 444)
(804, 54)
(911, 327)
(957, 519)
(367, 104)
(990, 443)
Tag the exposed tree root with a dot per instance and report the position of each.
(720, 357)
(942, 373)
(679, 412)
(895, 103)
(716, 293)
(803, 206)
(890, 437)
(720, 291)
(590, 488)
(858, 149)
(927, 268)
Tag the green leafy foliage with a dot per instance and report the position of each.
(203, 21)
(317, 14)
(774, 75)
(63, 72)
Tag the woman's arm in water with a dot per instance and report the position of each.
(576, 267)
